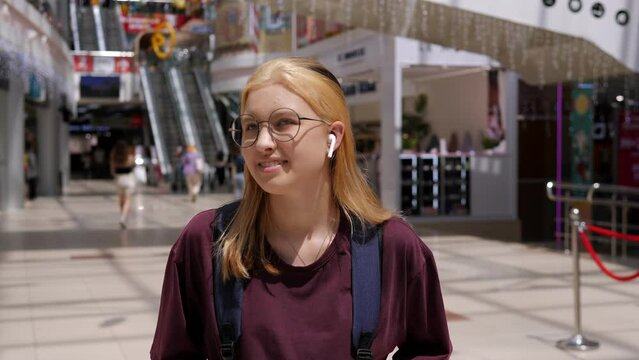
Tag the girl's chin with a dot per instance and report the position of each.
(275, 186)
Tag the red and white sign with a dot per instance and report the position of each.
(102, 64)
(123, 65)
(83, 63)
(137, 23)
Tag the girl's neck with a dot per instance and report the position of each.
(294, 216)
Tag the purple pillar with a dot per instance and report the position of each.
(558, 212)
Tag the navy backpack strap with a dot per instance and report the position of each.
(366, 264)
(227, 294)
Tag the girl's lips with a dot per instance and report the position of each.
(271, 166)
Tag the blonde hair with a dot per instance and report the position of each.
(243, 243)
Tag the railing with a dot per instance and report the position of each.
(615, 198)
(620, 197)
(571, 195)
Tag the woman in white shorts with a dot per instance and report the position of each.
(122, 164)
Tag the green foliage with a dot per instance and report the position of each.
(489, 143)
(414, 127)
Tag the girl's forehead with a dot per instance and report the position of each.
(264, 100)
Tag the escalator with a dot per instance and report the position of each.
(83, 26)
(181, 112)
(205, 117)
(163, 115)
(114, 38)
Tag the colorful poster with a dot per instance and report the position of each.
(581, 136)
(628, 151)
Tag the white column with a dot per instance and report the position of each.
(12, 144)
(509, 82)
(64, 156)
(48, 148)
(390, 123)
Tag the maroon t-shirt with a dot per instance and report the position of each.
(304, 312)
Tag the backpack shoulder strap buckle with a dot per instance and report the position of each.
(364, 354)
(228, 350)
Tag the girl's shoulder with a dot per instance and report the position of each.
(402, 242)
(196, 235)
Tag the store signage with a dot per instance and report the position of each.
(352, 55)
(362, 87)
(628, 151)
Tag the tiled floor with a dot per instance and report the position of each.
(74, 286)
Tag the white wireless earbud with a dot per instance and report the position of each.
(331, 148)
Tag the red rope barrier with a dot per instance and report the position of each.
(607, 232)
(603, 267)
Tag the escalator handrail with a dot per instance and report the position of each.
(212, 115)
(160, 146)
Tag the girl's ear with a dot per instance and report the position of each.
(337, 129)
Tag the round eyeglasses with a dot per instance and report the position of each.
(283, 124)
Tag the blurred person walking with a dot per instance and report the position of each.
(192, 167)
(121, 164)
(31, 172)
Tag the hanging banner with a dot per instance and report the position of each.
(272, 29)
(494, 133)
(311, 30)
(581, 136)
(628, 151)
(231, 26)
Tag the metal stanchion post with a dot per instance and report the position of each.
(624, 227)
(613, 221)
(577, 341)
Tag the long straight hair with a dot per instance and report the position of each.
(243, 244)
(120, 154)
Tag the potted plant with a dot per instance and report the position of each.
(414, 126)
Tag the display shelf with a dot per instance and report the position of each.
(455, 185)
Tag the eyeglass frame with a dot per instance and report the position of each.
(268, 126)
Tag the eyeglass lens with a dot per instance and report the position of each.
(283, 125)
